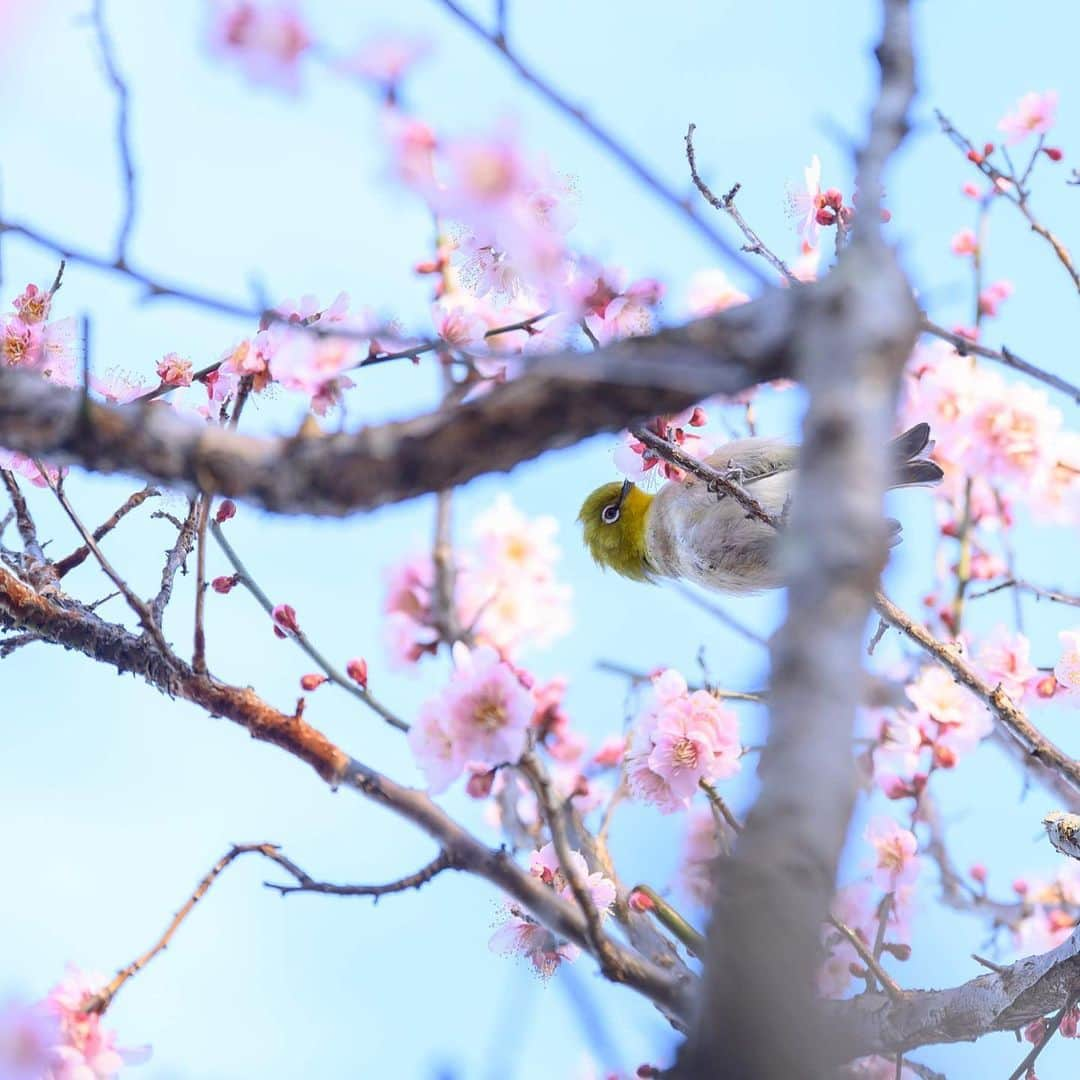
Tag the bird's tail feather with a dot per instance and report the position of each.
(911, 466)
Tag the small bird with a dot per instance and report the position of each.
(686, 531)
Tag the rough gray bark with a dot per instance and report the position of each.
(757, 1016)
(559, 400)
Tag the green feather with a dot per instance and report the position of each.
(621, 544)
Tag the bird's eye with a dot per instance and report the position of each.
(610, 514)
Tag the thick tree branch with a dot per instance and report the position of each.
(559, 400)
(763, 945)
(1000, 1001)
(73, 626)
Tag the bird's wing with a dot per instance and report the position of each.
(754, 458)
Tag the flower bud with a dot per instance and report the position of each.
(226, 510)
(978, 873)
(640, 901)
(1053, 153)
(284, 616)
(225, 584)
(357, 671)
(311, 682)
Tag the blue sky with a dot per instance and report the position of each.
(115, 800)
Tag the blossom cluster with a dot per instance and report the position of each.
(506, 593)
(681, 739)
(58, 1039)
(989, 426)
(520, 934)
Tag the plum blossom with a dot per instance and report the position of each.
(458, 321)
(701, 846)
(948, 715)
(964, 242)
(312, 365)
(1012, 433)
(173, 370)
(27, 1035)
(521, 934)
(636, 461)
(895, 852)
(385, 59)
(86, 1050)
(482, 716)
(1033, 113)
(711, 291)
(266, 40)
(993, 296)
(804, 202)
(1067, 668)
(680, 739)
(1005, 659)
(409, 623)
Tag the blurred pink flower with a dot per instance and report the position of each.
(711, 291)
(804, 202)
(895, 853)
(27, 1035)
(1067, 668)
(1005, 659)
(385, 59)
(266, 40)
(1034, 112)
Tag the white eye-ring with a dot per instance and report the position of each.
(610, 514)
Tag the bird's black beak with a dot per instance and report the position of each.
(626, 487)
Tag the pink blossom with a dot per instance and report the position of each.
(899, 748)
(680, 739)
(635, 460)
(701, 846)
(992, 297)
(458, 322)
(1012, 435)
(1055, 493)
(1067, 668)
(545, 865)
(964, 242)
(385, 59)
(522, 935)
(24, 466)
(805, 202)
(267, 40)
(412, 150)
(86, 1050)
(32, 304)
(894, 847)
(439, 756)
(173, 370)
(118, 387)
(711, 291)
(1034, 112)
(610, 752)
(27, 1034)
(1005, 659)
(307, 364)
(409, 628)
(948, 714)
(482, 716)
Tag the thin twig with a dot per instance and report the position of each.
(123, 139)
(306, 883)
(721, 807)
(80, 554)
(965, 347)
(1028, 1063)
(137, 605)
(721, 615)
(301, 639)
(175, 558)
(198, 656)
(1016, 583)
(603, 138)
(726, 205)
(23, 519)
(888, 983)
(103, 998)
(599, 944)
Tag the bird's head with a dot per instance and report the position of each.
(613, 523)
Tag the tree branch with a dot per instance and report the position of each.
(763, 944)
(560, 399)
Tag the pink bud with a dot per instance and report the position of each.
(698, 417)
(1020, 887)
(479, 785)
(640, 901)
(284, 616)
(978, 873)
(833, 198)
(224, 584)
(312, 682)
(944, 756)
(825, 216)
(988, 149)
(1035, 1032)
(226, 510)
(357, 671)
(610, 752)
(900, 951)
(1069, 1023)
(1046, 687)
(974, 156)
(1053, 153)
(971, 190)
